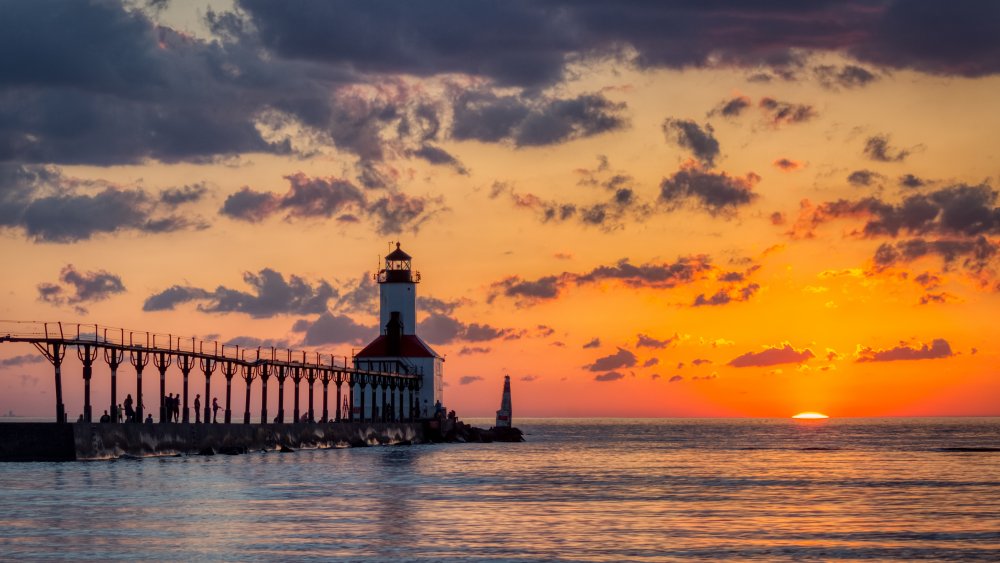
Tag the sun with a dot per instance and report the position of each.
(809, 415)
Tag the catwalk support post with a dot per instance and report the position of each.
(87, 355)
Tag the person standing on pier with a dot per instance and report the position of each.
(197, 409)
(129, 411)
(215, 410)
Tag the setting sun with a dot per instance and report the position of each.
(809, 415)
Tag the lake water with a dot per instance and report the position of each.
(577, 490)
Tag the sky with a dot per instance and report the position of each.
(634, 209)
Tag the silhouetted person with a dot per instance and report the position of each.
(105, 418)
(197, 409)
(80, 419)
(215, 410)
(129, 411)
(149, 418)
(118, 413)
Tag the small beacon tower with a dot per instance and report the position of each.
(504, 414)
(398, 342)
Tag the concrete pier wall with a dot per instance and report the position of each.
(64, 442)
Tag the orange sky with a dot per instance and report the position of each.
(834, 250)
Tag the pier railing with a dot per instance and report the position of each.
(52, 339)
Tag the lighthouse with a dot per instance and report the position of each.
(398, 344)
(504, 414)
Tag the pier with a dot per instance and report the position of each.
(399, 382)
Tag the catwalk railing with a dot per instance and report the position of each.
(399, 382)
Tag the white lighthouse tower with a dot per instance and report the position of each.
(505, 413)
(398, 342)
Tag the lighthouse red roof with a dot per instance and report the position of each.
(411, 346)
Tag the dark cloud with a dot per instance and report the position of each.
(469, 350)
(75, 287)
(718, 194)
(846, 76)
(644, 341)
(689, 135)
(325, 197)
(620, 359)
(862, 177)
(467, 379)
(184, 194)
(686, 270)
(700, 361)
(51, 207)
(942, 297)
(595, 343)
(911, 181)
(650, 362)
(439, 157)
(772, 357)
(22, 360)
(958, 210)
(609, 376)
(939, 348)
(732, 107)
(140, 90)
(974, 255)
(675, 378)
(270, 295)
(439, 328)
(727, 295)
(779, 113)
(877, 148)
(362, 296)
(609, 216)
(529, 378)
(787, 164)
(481, 115)
(333, 329)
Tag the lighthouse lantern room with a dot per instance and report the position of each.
(398, 343)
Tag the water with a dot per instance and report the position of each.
(578, 490)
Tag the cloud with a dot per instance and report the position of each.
(939, 348)
(846, 76)
(689, 135)
(675, 378)
(772, 356)
(700, 361)
(911, 181)
(529, 378)
(77, 287)
(727, 295)
(685, 270)
(467, 379)
(271, 294)
(333, 329)
(651, 362)
(732, 107)
(877, 148)
(439, 328)
(51, 207)
(470, 350)
(191, 193)
(322, 198)
(644, 341)
(595, 343)
(974, 255)
(957, 210)
(784, 113)
(22, 360)
(609, 376)
(481, 115)
(862, 177)
(718, 194)
(787, 164)
(439, 157)
(620, 359)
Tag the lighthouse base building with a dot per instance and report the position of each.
(398, 348)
